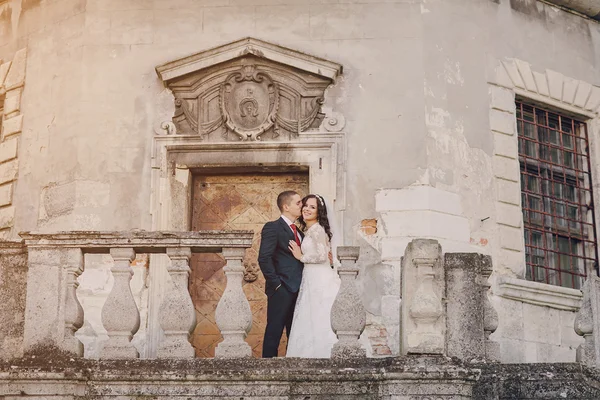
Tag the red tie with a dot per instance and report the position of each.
(295, 234)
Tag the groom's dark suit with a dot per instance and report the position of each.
(283, 274)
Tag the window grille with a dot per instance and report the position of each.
(556, 195)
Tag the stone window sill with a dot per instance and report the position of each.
(540, 294)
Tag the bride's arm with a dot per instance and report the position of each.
(316, 249)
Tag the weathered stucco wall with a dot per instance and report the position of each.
(414, 93)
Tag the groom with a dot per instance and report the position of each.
(283, 273)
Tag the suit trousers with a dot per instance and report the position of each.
(280, 311)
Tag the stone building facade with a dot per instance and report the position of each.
(411, 116)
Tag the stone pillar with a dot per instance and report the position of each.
(423, 287)
(120, 315)
(587, 323)
(52, 311)
(233, 315)
(177, 315)
(348, 315)
(470, 318)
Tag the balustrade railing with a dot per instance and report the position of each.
(53, 313)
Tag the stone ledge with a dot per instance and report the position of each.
(140, 241)
(540, 294)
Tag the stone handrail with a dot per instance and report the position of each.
(53, 313)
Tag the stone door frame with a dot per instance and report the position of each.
(174, 159)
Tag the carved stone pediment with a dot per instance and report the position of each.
(247, 90)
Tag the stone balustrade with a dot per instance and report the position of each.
(53, 313)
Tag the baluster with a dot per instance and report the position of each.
(73, 316)
(177, 315)
(348, 315)
(120, 315)
(422, 290)
(233, 315)
(490, 315)
(587, 323)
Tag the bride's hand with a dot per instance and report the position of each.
(295, 249)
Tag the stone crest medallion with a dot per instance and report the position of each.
(249, 102)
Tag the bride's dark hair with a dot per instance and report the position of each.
(321, 214)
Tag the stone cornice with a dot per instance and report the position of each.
(540, 294)
(248, 46)
(140, 241)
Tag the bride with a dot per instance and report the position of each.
(311, 334)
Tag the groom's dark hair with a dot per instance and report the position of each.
(284, 198)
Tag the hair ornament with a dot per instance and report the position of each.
(320, 200)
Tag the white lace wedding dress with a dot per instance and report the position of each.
(311, 335)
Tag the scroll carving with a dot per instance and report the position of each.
(249, 98)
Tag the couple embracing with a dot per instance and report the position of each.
(300, 284)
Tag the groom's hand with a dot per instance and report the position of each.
(330, 258)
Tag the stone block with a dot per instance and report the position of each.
(418, 197)
(506, 168)
(503, 122)
(540, 324)
(583, 92)
(505, 145)
(13, 286)
(12, 126)
(513, 73)
(178, 25)
(542, 84)
(569, 90)
(6, 194)
(511, 238)
(512, 351)
(509, 214)
(277, 20)
(525, 72)
(229, 23)
(555, 83)
(465, 309)
(502, 99)
(12, 102)
(8, 150)
(508, 192)
(426, 224)
(513, 260)
(8, 171)
(16, 74)
(510, 317)
(594, 99)
(4, 71)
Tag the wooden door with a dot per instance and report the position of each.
(234, 202)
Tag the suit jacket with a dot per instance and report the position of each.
(276, 261)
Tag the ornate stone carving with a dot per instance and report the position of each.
(249, 101)
(348, 315)
(259, 91)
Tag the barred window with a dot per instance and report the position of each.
(556, 194)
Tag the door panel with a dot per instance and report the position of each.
(234, 202)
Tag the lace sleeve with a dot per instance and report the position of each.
(315, 247)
